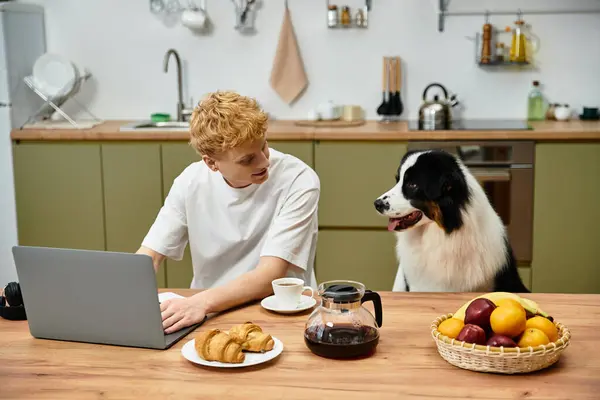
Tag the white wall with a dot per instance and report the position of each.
(123, 44)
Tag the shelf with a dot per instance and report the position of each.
(359, 16)
(443, 13)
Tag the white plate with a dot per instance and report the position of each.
(270, 304)
(56, 74)
(189, 352)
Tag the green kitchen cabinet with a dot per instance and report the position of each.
(132, 194)
(525, 274)
(300, 149)
(365, 256)
(353, 175)
(59, 194)
(566, 230)
(177, 156)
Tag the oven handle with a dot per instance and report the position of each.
(491, 174)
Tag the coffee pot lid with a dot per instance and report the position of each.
(341, 293)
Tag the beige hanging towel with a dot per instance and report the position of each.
(288, 77)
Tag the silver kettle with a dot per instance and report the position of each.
(436, 114)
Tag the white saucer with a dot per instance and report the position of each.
(189, 352)
(270, 304)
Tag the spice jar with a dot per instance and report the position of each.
(346, 17)
(332, 16)
(500, 52)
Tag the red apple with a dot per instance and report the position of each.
(479, 312)
(472, 334)
(501, 340)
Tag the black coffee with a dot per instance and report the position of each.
(286, 284)
(341, 341)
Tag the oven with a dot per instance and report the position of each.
(505, 171)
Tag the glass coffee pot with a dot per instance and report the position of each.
(340, 327)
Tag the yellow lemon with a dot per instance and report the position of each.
(451, 327)
(544, 325)
(533, 337)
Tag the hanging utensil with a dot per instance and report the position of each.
(384, 106)
(246, 8)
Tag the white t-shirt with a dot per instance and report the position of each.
(229, 229)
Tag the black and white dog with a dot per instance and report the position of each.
(449, 238)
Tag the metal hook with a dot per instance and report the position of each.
(519, 14)
(286, 3)
(487, 16)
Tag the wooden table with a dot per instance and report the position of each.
(406, 364)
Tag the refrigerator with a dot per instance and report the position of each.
(22, 41)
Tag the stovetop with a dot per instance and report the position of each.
(478, 125)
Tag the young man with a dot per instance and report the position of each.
(248, 212)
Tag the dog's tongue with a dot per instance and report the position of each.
(393, 223)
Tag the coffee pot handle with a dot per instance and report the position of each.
(432, 85)
(374, 297)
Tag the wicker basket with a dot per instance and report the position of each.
(510, 360)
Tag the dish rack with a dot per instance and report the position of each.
(53, 103)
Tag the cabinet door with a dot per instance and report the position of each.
(360, 255)
(525, 274)
(566, 237)
(176, 157)
(132, 194)
(59, 195)
(301, 149)
(353, 175)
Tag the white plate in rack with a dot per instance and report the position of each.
(55, 74)
(189, 352)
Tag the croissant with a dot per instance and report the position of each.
(215, 345)
(251, 337)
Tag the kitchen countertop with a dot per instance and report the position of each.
(405, 365)
(542, 131)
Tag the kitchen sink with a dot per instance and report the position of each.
(156, 126)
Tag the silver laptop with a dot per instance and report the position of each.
(92, 296)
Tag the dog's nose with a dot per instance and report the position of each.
(381, 205)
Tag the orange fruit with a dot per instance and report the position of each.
(508, 320)
(533, 337)
(451, 327)
(544, 325)
(508, 302)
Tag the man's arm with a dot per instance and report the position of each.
(157, 258)
(253, 285)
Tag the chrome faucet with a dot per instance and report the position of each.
(183, 114)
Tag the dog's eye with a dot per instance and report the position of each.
(411, 186)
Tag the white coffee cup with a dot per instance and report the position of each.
(288, 292)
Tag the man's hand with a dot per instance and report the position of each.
(180, 313)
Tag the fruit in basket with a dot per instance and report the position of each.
(451, 327)
(501, 341)
(533, 337)
(479, 312)
(530, 306)
(472, 334)
(508, 319)
(544, 325)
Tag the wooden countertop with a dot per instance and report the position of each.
(372, 130)
(406, 364)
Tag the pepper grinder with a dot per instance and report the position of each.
(486, 48)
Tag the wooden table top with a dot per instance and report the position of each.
(542, 131)
(406, 364)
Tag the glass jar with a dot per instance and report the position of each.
(346, 18)
(332, 16)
